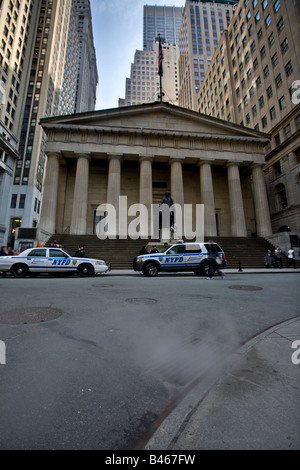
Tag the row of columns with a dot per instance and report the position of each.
(80, 200)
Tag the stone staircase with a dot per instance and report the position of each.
(250, 252)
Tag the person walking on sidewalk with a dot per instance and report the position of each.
(212, 262)
(291, 258)
(278, 257)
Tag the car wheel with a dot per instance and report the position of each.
(206, 270)
(19, 270)
(85, 270)
(151, 270)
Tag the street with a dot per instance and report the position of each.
(91, 363)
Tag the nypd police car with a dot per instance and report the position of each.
(182, 257)
(50, 260)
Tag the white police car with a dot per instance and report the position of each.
(50, 260)
(182, 257)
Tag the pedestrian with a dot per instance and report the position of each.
(10, 251)
(269, 259)
(144, 251)
(80, 253)
(278, 257)
(212, 260)
(154, 249)
(291, 258)
(3, 251)
(168, 200)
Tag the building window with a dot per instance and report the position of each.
(284, 46)
(297, 122)
(254, 110)
(280, 25)
(287, 131)
(261, 101)
(282, 103)
(268, 21)
(273, 113)
(275, 59)
(280, 195)
(269, 91)
(277, 139)
(264, 122)
(276, 6)
(266, 71)
(278, 80)
(288, 68)
(13, 202)
(22, 201)
(265, 4)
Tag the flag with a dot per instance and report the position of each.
(160, 58)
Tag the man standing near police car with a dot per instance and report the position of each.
(213, 267)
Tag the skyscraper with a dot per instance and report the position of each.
(162, 20)
(252, 81)
(143, 86)
(201, 29)
(55, 74)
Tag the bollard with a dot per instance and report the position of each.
(240, 267)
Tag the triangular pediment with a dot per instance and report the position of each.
(153, 117)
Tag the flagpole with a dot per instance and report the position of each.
(160, 68)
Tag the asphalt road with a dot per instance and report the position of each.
(100, 359)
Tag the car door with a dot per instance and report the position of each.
(58, 261)
(174, 259)
(37, 260)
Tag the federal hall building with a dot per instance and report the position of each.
(143, 151)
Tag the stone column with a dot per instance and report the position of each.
(238, 223)
(114, 182)
(261, 205)
(79, 211)
(146, 181)
(146, 186)
(208, 199)
(177, 181)
(48, 214)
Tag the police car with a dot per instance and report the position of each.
(182, 257)
(50, 260)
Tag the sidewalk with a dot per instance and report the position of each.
(126, 272)
(253, 402)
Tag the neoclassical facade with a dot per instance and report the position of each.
(142, 151)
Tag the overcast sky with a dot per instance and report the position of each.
(118, 33)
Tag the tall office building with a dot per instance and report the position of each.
(87, 75)
(143, 86)
(162, 20)
(50, 67)
(201, 29)
(252, 81)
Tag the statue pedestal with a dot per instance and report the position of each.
(165, 235)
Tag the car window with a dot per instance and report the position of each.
(177, 249)
(57, 254)
(216, 248)
(35, 253)
(193, 248)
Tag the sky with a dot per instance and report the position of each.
(118, 33)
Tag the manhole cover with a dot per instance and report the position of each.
(23, 316)
(141, 300)
(245, 287)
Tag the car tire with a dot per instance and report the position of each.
(151, 270)
(19, 270)
(85, 270)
